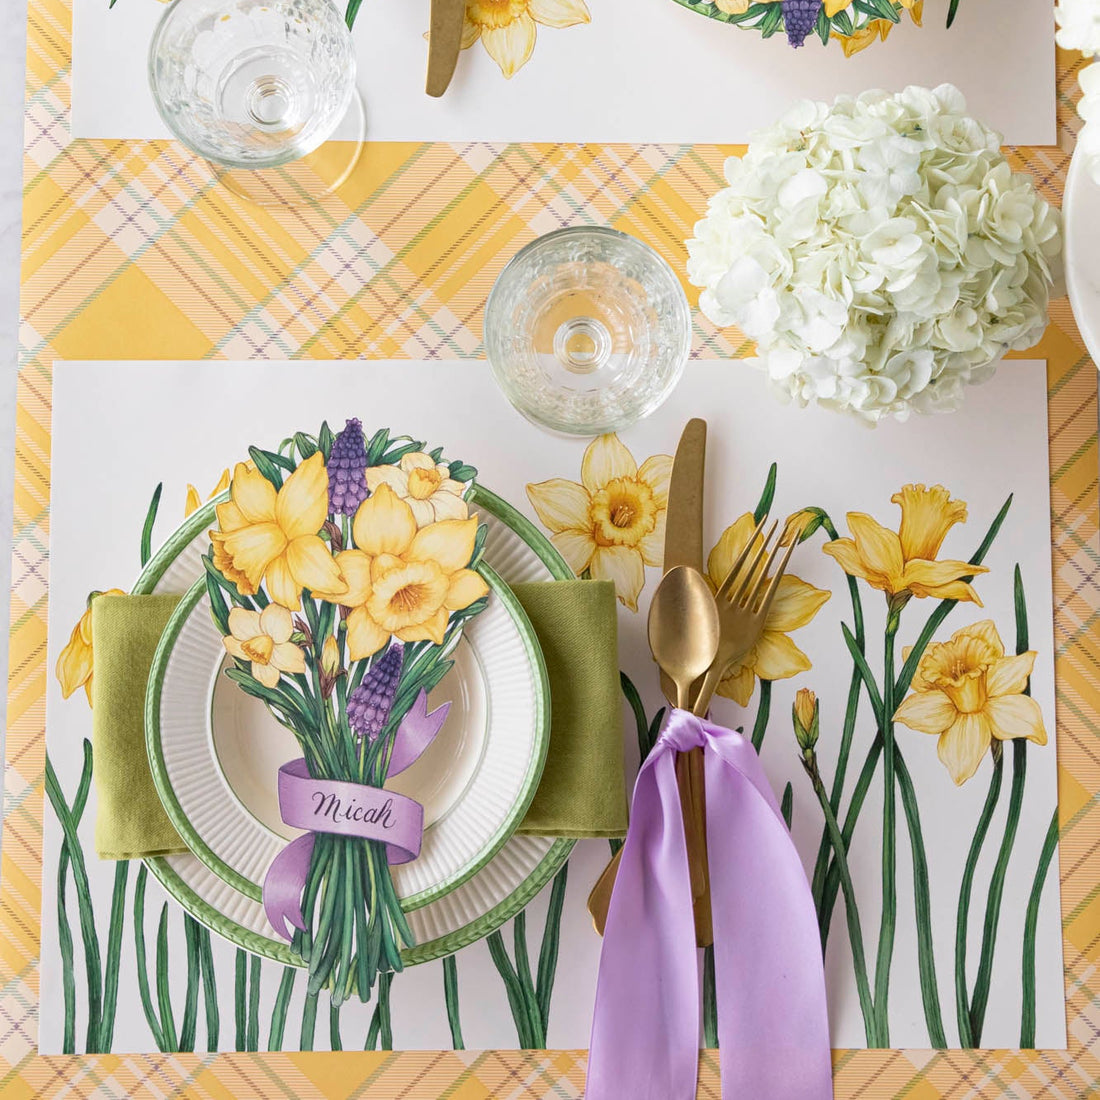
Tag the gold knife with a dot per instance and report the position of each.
(683, 546)
(444, 43)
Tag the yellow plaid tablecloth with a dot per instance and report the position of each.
(130, 252)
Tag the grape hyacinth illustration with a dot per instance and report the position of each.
(347, 484)
(371, 702)
(799, 17)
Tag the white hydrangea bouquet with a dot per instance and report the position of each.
(880, 251)
(1079, 29)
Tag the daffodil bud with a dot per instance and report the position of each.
(330, 657)
(805, 718)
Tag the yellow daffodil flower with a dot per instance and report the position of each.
(193, 500)
(775, 656)
(612, 523)
(263, 637)
(835, 7)
(404, 582)
(864, 36)
(508, 28)
(74, 663)
(426, 486)
(967, 692)
(904, 564)
(271, 537)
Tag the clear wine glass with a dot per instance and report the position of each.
(587, 330)
(257, 87)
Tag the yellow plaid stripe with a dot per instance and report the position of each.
(131, 252)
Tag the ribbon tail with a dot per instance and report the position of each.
(773, 1023)
(283, 885)
(415, 733)
(645, 1025)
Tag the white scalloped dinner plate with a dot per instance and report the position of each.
(457, 898)
(216, 752)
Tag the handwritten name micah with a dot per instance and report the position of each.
(329, 805)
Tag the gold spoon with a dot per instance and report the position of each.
(683, 629)
(683, 638)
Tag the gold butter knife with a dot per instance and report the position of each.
(444, 43)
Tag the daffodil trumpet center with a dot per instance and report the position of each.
(259, 649)
(407, 595)
(495, 13)
(623, 512)
(423, 483)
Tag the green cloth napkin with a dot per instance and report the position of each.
(130, 820)
(582, 792)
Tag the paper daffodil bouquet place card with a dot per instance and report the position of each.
(341, 573)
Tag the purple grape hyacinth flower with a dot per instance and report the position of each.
(371, 702)
(347, 485)
(799, 17)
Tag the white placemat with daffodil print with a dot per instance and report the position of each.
(922, 593)
(634, 71)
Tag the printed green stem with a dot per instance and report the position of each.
(885, 953)
(209, 988)
(450, 996)
(638, 710)
(526, 981)
(922, 897)
(252, 1036)
(1031, 920)
(309, 1022)
(763, 712)
(334, 1040)
(786, 805)
(710, 1000)
(240, 999)
(871, 1024)
(859, 795)
(548, 953)
(191, 999)
(164, 998)
(278, 1013)
(114, 956)
(147, 526)
(980, 1000)
(64, 929)
(385, 983)
(962, 917)
(89, 936)
(151, 1016)
(499, 954)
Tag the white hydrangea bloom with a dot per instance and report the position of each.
(1078, 25)
(881, 252)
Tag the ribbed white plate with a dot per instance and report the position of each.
(522, 866)
(221, 750)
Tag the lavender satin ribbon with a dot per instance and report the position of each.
(773, 1027)
(347, 809)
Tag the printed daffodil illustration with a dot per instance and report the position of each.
(425, 485)
(270, 536)
(967, 692)
(264, 639)
(508, 28)
(193, 500)
(774, 656)
(611, 524)
(74, 663)
(904, 563)
(404, 582)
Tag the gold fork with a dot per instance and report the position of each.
(744, 599)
